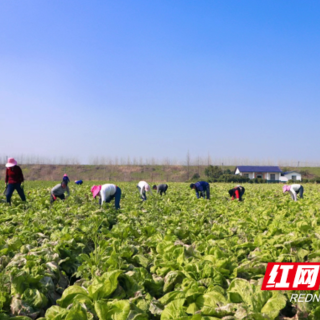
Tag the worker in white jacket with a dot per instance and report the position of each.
(107, 192)
(294, 190)
(143, 188)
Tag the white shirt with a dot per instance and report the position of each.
(107, 190)
(143, 186)
(293, 190)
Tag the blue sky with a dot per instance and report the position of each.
(235, 79)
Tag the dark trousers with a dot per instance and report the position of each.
(208, 192)
(300, 191)
(203, 194)
(144, 196)
(14, 186)
(163, 190)
(241, 193)
(116, 197)
(62, 197)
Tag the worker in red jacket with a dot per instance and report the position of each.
(14, 178)
(237, 193)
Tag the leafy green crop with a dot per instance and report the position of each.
(171, 257)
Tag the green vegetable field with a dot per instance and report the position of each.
(171, 257)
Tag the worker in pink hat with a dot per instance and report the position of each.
(143, 188)
(294, 190)
(14, 179)
(107, 192)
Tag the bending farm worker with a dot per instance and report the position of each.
(237, 192)
(65, 178)
(202, 189)
(107, 192)
(14, 179)
(58, 191)
(78, 181)
(143, 188)
(294, 190)
(161, 188)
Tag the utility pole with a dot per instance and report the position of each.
(188, 162)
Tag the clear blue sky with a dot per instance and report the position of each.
(158, 78)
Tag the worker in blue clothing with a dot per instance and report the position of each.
(78, 182)
(65, 178)
(202, 189)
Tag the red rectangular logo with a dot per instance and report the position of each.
(292, 276)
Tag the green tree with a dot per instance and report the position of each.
(196, 176)
(213, 172)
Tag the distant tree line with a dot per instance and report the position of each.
(218, 174)
(193, 168)
(189, 161)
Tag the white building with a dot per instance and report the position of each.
(291, 175)
(270, 173)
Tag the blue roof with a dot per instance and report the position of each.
(290, 172)
(259, 169)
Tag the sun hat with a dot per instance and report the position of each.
(95, 190)
(65, 175)
(11, 163)
(147, 187)
(286, 188)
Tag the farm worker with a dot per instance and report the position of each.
(237, 192)
(294, 190)
(161, 188)
(202, 188)
(65, 178)
(107, 192)
(78, 181)
(143, 188)
(14, 179)
(59, 190)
